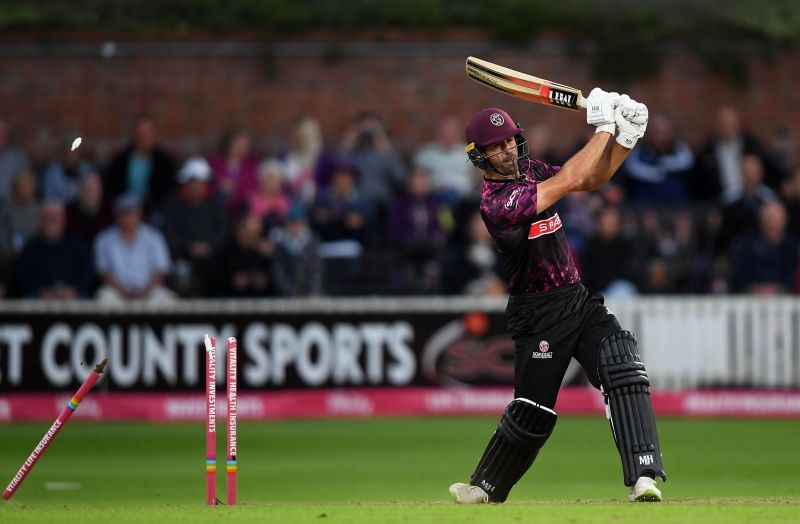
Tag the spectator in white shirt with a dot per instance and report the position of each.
(131, 258)
(450, 175)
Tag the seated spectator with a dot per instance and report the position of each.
(740, 217)
(417, 226)
(235, 169)
(194, 226)
(340, 213)
(90, 213)
(61, 178)
(790, 196)
(366, 146)
(418, 216)
(143, 169)
(717, 173)
(269, 202)
(475, 268)
(766, 262)
(657, 168)
(54, 264)
(608, 260)
(297, 267)
(443, 158)
(12, 161)
(244, 264)
(131, 258)
(677, 254)
(24, 210)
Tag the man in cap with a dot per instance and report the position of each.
(551, 315)
(131, 258)
(194, 226)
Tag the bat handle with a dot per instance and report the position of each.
(583, 102)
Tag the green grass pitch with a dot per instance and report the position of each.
(396, 470)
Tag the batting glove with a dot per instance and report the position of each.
(631, 119)
(600, 110)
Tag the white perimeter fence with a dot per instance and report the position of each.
(686, 342)
(690, 342)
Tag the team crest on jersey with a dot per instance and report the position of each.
(512, 200)
(544, 350)
(497, 119)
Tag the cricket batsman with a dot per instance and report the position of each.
(552, 316)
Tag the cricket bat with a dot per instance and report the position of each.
(524, 86)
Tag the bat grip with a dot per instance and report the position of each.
(583, 102)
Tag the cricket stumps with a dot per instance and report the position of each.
(231, 374)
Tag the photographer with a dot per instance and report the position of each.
(366, 146)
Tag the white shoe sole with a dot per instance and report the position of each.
(649, 495)
(644, 490)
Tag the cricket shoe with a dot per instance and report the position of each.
(466, 494)
(644, 490)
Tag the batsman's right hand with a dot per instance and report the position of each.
(631, 119)
(633, 111)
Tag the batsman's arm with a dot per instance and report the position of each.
(616, 155)
(596, 163)
(588, 169)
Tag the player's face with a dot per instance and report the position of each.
(503, 157)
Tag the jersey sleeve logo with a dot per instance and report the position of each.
(544, 227)
(512, 200)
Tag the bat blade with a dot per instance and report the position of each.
(524, 86)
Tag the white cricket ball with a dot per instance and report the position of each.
(76, 143)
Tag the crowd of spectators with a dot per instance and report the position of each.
(357, 216)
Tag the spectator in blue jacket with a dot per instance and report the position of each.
(61, 178)
(657, 168)
(297, 266)
(340, 213)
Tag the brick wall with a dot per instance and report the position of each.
(54, 92)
